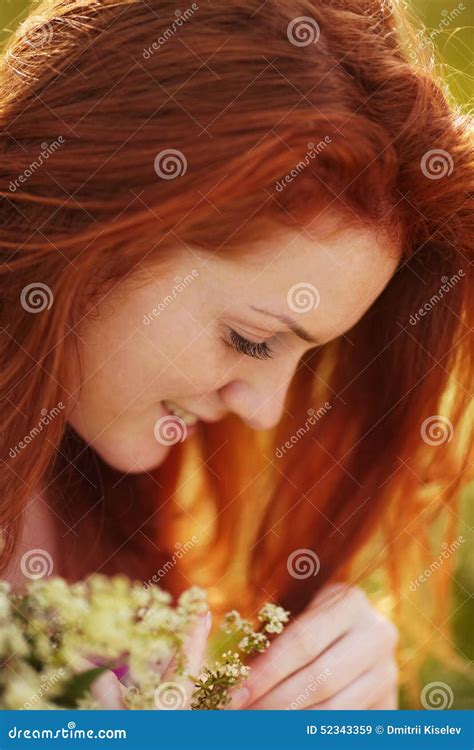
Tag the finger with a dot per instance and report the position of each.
(363, 692)
(106, 690)
(193, 647)
(330, 593)
(304, 639)
(332, 671)
(388, 702)
(238, 698)
(176, 691)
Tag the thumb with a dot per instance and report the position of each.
(106, 689)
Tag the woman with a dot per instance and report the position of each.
(237, 235)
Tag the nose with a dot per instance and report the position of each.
(259, 397)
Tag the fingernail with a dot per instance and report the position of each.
(239, 698)
(209, 620)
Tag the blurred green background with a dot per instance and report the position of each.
(450, 26)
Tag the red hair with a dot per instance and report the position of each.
(240, 93)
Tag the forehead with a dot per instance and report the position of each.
(344, 267)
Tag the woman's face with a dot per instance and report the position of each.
(171, 339)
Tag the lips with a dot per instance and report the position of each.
(187, 417)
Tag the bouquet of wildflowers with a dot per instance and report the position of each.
(115, 624)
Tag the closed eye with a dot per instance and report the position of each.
(250, 348)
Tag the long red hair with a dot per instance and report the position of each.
(114, 83)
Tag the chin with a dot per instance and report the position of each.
(130, 460)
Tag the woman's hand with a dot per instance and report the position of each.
(176, 692)
(337, 654)
(173, 692)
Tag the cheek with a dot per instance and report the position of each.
(127, 372)
(118, 411)
(185, 356)
(117, 368)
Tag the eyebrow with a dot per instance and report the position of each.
(300, 332)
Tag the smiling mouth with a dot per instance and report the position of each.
(186, 416)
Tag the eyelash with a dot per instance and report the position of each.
(250, 348)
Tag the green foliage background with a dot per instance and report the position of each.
(450, 25)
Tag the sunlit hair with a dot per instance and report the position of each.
(236, 89)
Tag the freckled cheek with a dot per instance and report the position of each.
(165, 364)
(114, 384)
(201, 369)
(199, 376)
